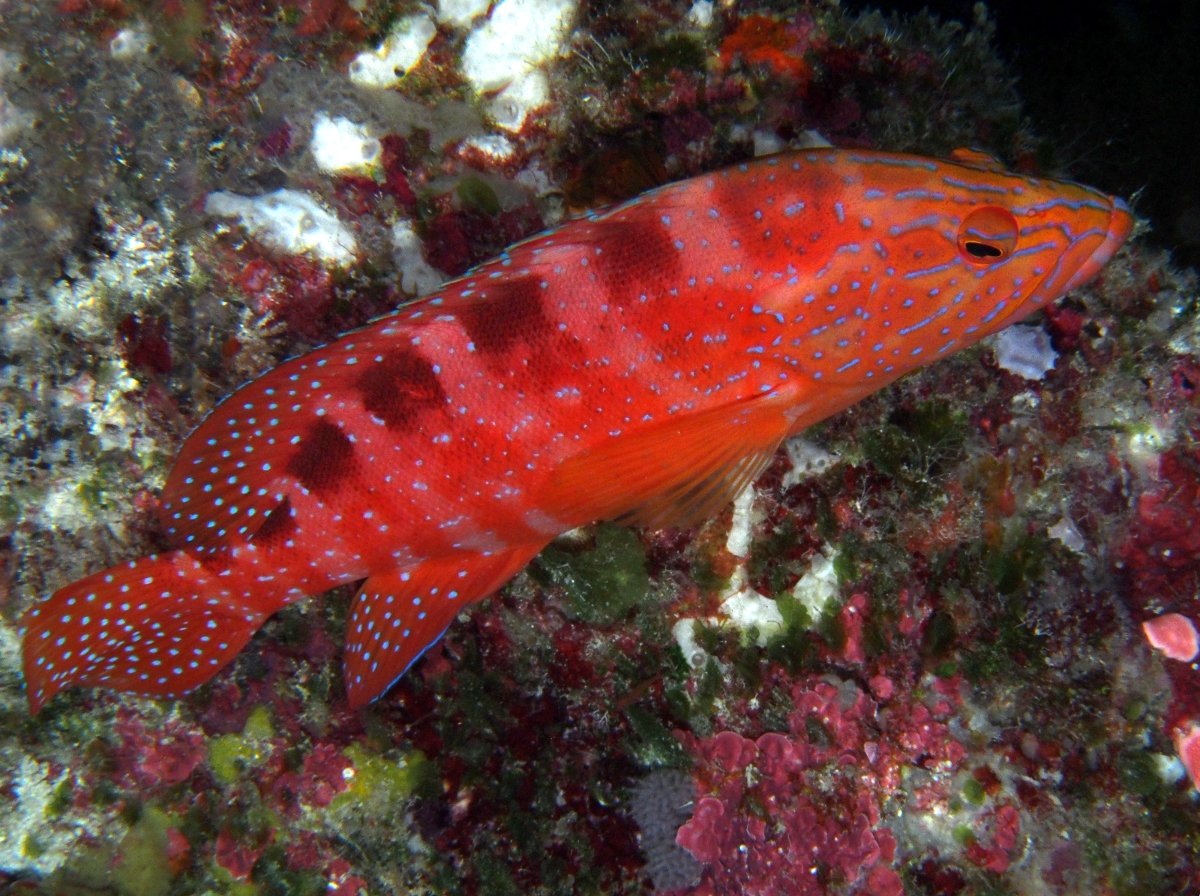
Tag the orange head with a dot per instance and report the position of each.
(915, 258)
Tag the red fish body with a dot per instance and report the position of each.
(640, 364)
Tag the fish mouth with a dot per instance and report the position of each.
(1084, 258)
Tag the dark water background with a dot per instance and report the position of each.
(1115, 86)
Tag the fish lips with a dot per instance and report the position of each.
(1090, 252)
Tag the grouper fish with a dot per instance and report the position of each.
(641, 363)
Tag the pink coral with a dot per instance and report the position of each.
(1173, 634)
(1187, 745)
(991, 852)
(324, 776)
(156, 757)
(705, 830)
(757, 811)
(852, 624)
(236, 857)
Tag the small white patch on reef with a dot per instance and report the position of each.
(416, 274)
(460, 13)
(701, 13)
(738, 542)
(143, 266)
(1169, 768)
(400, 51)
(535, 179)
(1147, 444)
(340, 145)
(807, 459)
(685, 636)
(12, 696)
(129, 43)
(748, 610)
(497, 146)
(506, 51)
(766, 143)
(817, 587)
(811, 139)
(1025, 351)
(288, 221)
(112, 415)
(1066, 532)
(523, 94)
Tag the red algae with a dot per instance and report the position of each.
(972, 707)
(759, 809)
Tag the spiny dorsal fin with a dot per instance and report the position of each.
(976, 158)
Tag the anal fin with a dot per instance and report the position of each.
(676, 472)
(399, 614)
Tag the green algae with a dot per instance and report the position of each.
(917, 446)
(178, 33)
(143, 868)
(651, 743)
(258, 724)
(229, 755)
(60, 799)
(1138, 773)
(1136, 875)
(794, 648)
(32, 847)
(273, 877)
(795, 614)
(1013, 648)
(880, 566)
(704, 573)
(973, 792)
(472, 720)
(764, 562)
(380, 778)
(229, 886)
(940, 635)
(1019, 563)
(946, 670)
(963, 835)
(494, 877)
(602, 584)
(478, 194)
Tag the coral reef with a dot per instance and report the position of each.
(660, 803)
(912, 658)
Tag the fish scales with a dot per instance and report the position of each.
(642, 363)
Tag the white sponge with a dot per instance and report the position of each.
(391, 60)
(288, 221)
(340, 146)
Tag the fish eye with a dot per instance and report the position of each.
(987, 235)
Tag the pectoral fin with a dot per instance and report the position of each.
(676, 472)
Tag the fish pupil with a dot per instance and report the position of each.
(982, 250)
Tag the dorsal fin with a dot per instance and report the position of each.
(254, 447)
(976, 158)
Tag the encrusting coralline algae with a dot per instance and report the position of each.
(975, 705)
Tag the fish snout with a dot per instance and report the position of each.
(1084, 258)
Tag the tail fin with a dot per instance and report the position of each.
(157, 626)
